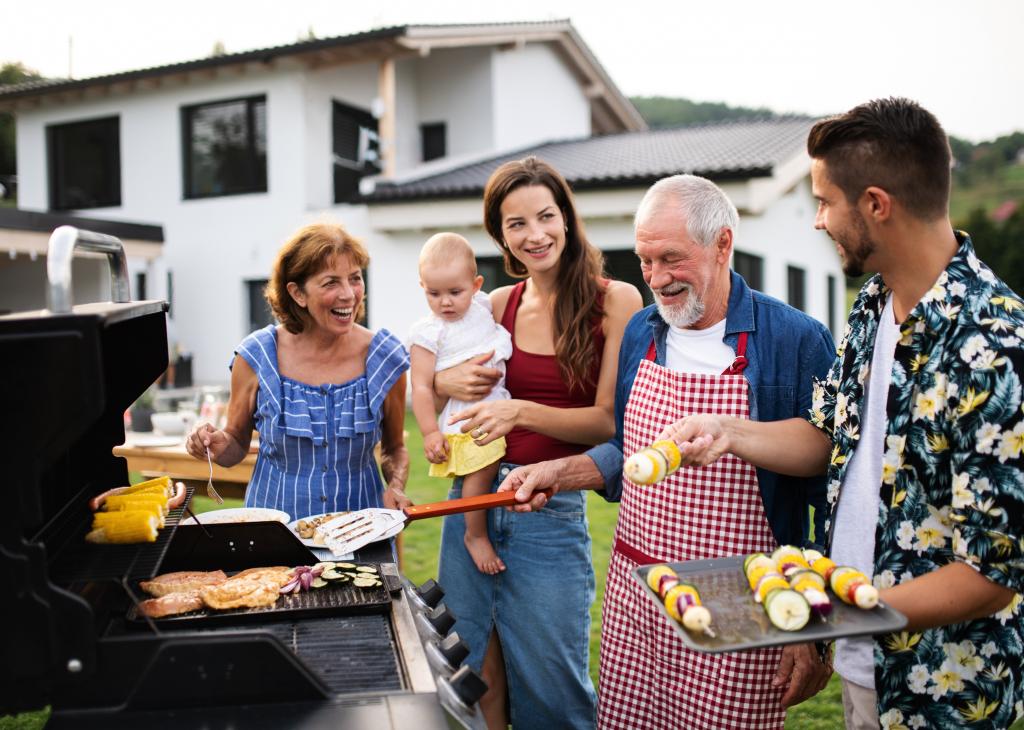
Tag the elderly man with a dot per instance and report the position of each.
(923, 423)
(710, 344)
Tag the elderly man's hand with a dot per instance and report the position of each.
(702, 439)
(527, 480)
(802, 672)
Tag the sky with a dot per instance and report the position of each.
(962, 60)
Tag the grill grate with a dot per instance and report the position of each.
(348, 653)
(84, 561)
(334, 598)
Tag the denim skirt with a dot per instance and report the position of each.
(539, 606)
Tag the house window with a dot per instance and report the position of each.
(260, 314)
(356, 148)
(85, 164)
(623, 264)
(225, 147)
(434, 140)
(796, 286)
(750, 267)
(140, 286)
(832, 304)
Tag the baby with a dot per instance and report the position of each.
(460, 327)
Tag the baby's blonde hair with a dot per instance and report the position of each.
(442, 248)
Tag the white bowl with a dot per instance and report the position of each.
(172, 424)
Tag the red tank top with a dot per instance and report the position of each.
(534, 377)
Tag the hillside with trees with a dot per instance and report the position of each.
(988, 180)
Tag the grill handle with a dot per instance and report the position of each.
(63, 243)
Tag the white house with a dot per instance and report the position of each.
(392, 132)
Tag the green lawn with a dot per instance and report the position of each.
(823, 712)
(421, 541)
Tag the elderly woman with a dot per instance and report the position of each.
(321, 390)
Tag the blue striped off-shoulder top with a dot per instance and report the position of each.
(317, 441)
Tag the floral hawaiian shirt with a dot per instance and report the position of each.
(952, 485)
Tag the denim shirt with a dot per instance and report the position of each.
(786, 351)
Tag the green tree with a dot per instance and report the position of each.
(665, 111)
(999, 244)
(11, 73)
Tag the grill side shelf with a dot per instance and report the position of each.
(83, 561)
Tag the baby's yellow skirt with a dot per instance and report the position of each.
(465, 457)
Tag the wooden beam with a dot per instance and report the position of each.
(386, 123)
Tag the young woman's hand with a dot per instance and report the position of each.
(468, 381)
(490, 420)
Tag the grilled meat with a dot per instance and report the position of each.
(172, 604)
(242, 593)
(183, 581)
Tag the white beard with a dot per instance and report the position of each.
(681, 315)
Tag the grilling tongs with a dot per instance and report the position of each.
(348, 533)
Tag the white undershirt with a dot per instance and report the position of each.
(698, 351)
(853, 534)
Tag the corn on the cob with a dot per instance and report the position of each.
(135, 527)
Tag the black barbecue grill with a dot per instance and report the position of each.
(71, 634)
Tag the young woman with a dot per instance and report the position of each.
(528, 627)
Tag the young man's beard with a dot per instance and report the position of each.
(856, 251)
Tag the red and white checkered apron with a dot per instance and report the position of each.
(648, 678)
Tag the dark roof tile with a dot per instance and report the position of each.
(720, 150)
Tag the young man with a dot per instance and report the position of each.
(923, 422)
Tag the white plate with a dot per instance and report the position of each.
(293, 525)
(240, 514)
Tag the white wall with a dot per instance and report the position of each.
(784, 236)
(23, 282)
(455, 86)
(536, 98)
(355, 85)
(211, 245)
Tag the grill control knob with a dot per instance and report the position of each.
(454, 649)
(430, 592)
(441, 619)
(468, 685)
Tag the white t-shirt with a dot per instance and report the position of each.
(853, 531)
(698, 351)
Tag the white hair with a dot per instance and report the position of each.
(703, 205)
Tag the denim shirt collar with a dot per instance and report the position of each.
(738, 318)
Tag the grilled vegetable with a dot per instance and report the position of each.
(854, 587)
(652, 464)
(660, 578)
(787, 609)
(682, 601)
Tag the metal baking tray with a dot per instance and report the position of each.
(739, 623)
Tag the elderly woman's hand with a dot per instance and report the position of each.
(469, 381)
(395, 498)
(490, 420)
(204, 436)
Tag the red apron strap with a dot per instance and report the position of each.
(652, 352)
(633, 554)
(740, 363)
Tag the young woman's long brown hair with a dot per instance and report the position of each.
(578, 307)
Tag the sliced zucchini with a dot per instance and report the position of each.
(332, 575)
(318, 583)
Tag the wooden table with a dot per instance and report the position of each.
(176, 463)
